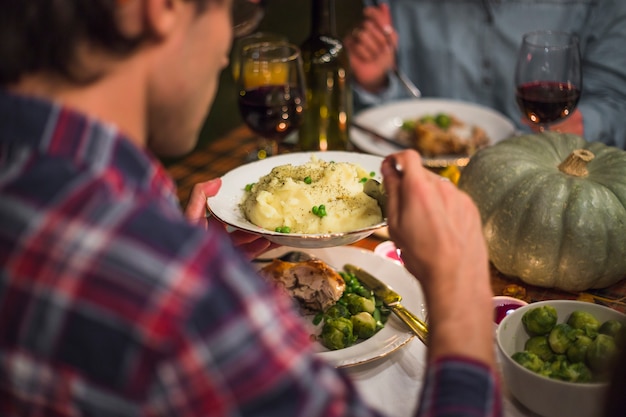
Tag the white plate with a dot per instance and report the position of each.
(388, 118)
(395, 334)
(225, 205)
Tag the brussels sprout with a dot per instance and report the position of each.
(578, 372)
(584, 321)
(577, 352)
(540, 320)
(553, 365)
(443, 120)
(539, 346)
(571, 372)
(337, 310)
(409, 125)
(337, 333)
(429, 118)
(528, 360)
(611, 327)
(562, 337)
(381, 315)
(363, 325)
(357, 304)
(617, 329)
(601, 353)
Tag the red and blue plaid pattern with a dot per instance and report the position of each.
(111, 304)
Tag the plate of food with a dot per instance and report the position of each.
(391, 336)
(445, 132)
(302, 199)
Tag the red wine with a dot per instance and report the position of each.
(547, 101)
(272, 111)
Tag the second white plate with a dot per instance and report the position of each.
(388, 118)
(395, 334)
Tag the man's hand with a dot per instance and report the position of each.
(439, 231)
(250, 244)
(196, 210)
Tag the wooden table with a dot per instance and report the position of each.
(238, 146)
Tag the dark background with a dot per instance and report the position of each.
(286, 17)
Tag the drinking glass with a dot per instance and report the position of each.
(271, 92)
(548, 76)
(240, 43)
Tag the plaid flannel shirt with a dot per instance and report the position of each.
(112, 304)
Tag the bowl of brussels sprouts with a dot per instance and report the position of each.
(556, 356)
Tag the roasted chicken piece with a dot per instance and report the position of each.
(313, 283)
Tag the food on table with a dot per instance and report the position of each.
(312, 198)
(540, 346)
(553, 208)
(442, 134)
(451, 172)
(357, 315)
(601, 353)
(612, 328)
(315, 285)
(540, 320)
(576, 350)
(514, 290)
(584, 321)
(346, 311)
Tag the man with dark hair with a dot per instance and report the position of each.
(113, 302)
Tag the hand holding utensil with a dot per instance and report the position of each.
(402, 77)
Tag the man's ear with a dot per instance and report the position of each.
(160, 16)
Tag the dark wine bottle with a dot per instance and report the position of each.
(329, 95)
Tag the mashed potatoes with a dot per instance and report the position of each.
(290, 199)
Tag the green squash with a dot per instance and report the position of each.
(552, 217)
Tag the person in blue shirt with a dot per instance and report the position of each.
(467, 50)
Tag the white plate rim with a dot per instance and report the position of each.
(225, 204)
(395, 334)
(387, 118)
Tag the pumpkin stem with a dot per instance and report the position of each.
(576, 163)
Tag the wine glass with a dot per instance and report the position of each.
(548, 76)
(271, 92)
(240, 43)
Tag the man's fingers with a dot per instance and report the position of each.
(196, 207)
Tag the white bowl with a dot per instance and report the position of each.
(542, 395)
